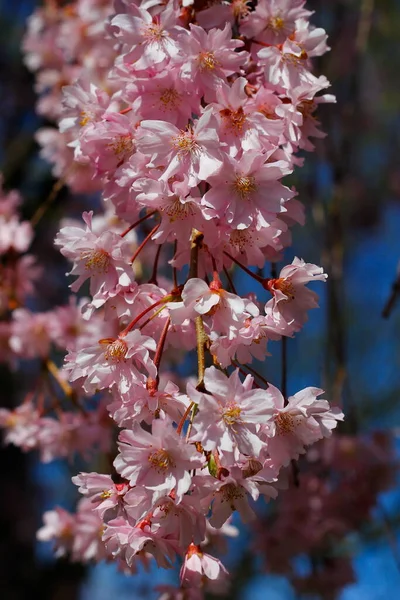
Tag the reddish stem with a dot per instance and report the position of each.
(246, 270)
(252, 371)
(142, 314)
(125, 110)
(150, 214)
(153, 278)
(146, 239)
(174, 272)
(161, 344)
(184, 417)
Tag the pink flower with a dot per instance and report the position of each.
(185, 519)
(113, 363)
(207, 59)
(74, 433)
(288, 67)
(125, 542)
(142, 405)
(303, 421)
(87, 545)
(159, 461)
(222, 12)
(58, 526)
(83, 103)
(148, 41)
(194, 152)
(164, 97)
(103, 258)
(250, 245)
(240, 126)
(14, 234)
(30, 333)
(273, 21)
(247, 192)
(228, 414)
(228, 494)
(104, 494)
(291, 299)
(198, 298)
(198, 565)
(175, 205)
(107, 143)
(22, 426)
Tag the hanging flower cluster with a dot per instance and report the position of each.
(187, 118)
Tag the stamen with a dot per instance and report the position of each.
(285, 423)
(244, 186)
(177, 210)
(97, 261)
(160, 460)
(240, 8)
(276, 24)
(231, 415)
(185, 143)
(284, 285)
(106, 494)
(116, 351)
(234, 119)
(85, 118)
(241, 239)
(122, 145)
(154, 33)
(170, 98)
(207, 61)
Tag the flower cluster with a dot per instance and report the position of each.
(187, 118)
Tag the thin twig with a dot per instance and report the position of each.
(41, 210)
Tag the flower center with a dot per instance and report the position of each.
(252, 468)
(85, 118)
(170, 98)
(231, 415)
(122, 145)
(285, 423)
(160, 460)
(177, 210)
(293, 59)
(268, 111)
(116, 351)
(307, 107)
(207, 61)
(285, 286)
(244, 186)
(105, 494)
(185, 143)
(97, 261)
(240, 8)
(154, 33)
(234, 119)
(241, 239)
(232, 492)
(276, 23)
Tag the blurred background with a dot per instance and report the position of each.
(336, 534)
